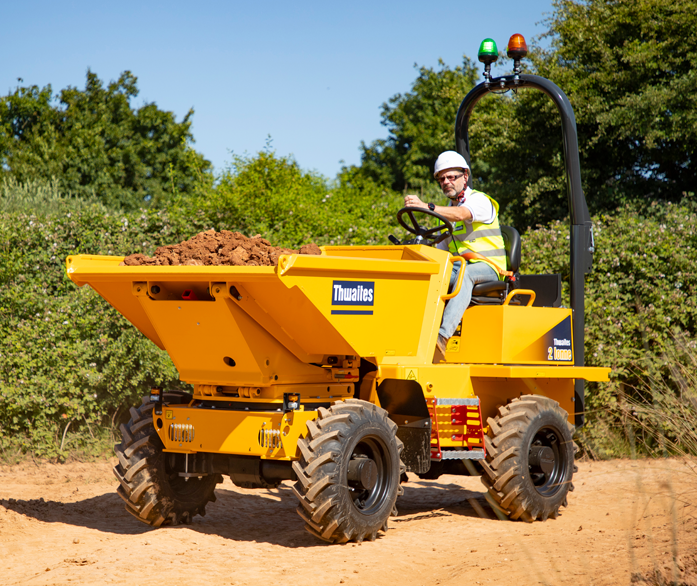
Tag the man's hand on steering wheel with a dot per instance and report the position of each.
(413, 201)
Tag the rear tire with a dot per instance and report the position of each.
(150, 485)
(529, 459)
(349, 472)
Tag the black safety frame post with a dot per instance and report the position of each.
(581, 227)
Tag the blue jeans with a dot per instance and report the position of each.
(476, 272)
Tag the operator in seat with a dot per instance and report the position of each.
(477, 236)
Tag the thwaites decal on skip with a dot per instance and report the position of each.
(353, 293)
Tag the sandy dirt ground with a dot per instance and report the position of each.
(64, 524)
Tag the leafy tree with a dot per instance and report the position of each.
(630, 67)
(627, 68)
(95, 143)
(268, 195)
(272, 196)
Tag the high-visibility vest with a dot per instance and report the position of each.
(481, 238)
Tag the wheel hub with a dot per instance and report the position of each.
(542, 458)
(362, 473)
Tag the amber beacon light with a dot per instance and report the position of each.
(517, 47)
(516, 50)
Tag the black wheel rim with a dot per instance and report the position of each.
(547, 461)
(369, 502)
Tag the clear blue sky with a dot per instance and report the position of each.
(313, 75)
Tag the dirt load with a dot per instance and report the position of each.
(213, 248)
(628, 522)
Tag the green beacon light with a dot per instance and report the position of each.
(488, 54)
(488, 51)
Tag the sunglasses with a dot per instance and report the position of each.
(451, 178)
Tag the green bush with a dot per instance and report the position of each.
(67, 357)
(270, 195)
(640, 297)
(75, 361)
(69, 361)
(70, 365)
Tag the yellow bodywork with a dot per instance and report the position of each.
(247, 336)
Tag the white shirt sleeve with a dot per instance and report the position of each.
(480, 207)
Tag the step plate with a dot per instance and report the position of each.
(462, 455)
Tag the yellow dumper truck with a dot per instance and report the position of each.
(321, 371)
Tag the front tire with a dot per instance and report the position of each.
(349, 472)
(149, 479)
(530, 459)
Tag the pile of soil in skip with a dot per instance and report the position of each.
(213, 248)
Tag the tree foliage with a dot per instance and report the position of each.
(95, 143)
(627, 68)
(271, 195)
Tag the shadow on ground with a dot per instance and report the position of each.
(261, 516)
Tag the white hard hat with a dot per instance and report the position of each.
(449, 160)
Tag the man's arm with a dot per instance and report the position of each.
(451, 213)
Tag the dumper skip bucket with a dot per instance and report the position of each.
(249, 325)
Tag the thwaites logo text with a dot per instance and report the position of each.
(353, 293)
(558, 352)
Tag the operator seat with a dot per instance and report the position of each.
(495, 292)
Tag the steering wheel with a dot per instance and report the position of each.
(429, 236)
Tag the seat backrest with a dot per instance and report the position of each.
(511, 241)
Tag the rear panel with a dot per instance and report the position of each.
(507, 334)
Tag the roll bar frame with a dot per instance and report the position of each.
(581, 227)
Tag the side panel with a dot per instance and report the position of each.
(389, 322)
(508, 334)
(215, 342)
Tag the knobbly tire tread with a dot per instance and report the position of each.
(143, 482)
(325, 503)
(507, 484)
